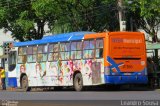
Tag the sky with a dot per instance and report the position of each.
(5, 37)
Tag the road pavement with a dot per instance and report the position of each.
(68, 97)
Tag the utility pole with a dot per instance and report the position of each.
(122, 23)
(131, 23)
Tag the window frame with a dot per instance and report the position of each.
(32, 54)
(81, 49)
(53, 51)
(89, 48)
(69, 51)
(42, 53)
(100, 48)
(23, 55)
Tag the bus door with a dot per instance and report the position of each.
(12, 75)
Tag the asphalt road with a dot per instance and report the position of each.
(93, 97)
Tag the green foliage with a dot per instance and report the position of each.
(12, 13)
(24, 22)
(88, 15)
(149, 8)
(44, 8)
(26, 25)
(149, 15)
(3, 14)
(26, 18)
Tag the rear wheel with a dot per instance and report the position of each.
(24, 83)
(78, 82)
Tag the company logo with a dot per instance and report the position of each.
(113, 64)
(120, 40)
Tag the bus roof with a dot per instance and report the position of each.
(54, 38)
(72, 36)
(125, 32)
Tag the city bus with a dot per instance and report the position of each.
(79, 59)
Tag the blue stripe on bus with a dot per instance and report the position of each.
(12, 82)
(54, 38)
(116, 66)
(126, 79)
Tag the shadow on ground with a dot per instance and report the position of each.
(94, 88)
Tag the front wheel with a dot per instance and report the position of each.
(78, 82)
(24, 83)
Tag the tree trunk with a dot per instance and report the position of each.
(40, 30)
(154, 38)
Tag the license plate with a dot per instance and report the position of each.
(127, 73)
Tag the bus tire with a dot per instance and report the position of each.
(24, 83)
(78, 82)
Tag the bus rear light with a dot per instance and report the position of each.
(145, 72)
(107, 71)
(142, 63)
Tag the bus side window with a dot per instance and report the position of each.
(22, 55)
(89, 49)
(76, 49)
(101, 52)
(64, 51)
(12, 60)
(99, 48)
(42, 53)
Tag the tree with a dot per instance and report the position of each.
(26, 18)
(89, 15)
(148, 17)
(47, 12)
(12, 14)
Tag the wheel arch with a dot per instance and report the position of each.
(78, 81)
(76, 72)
